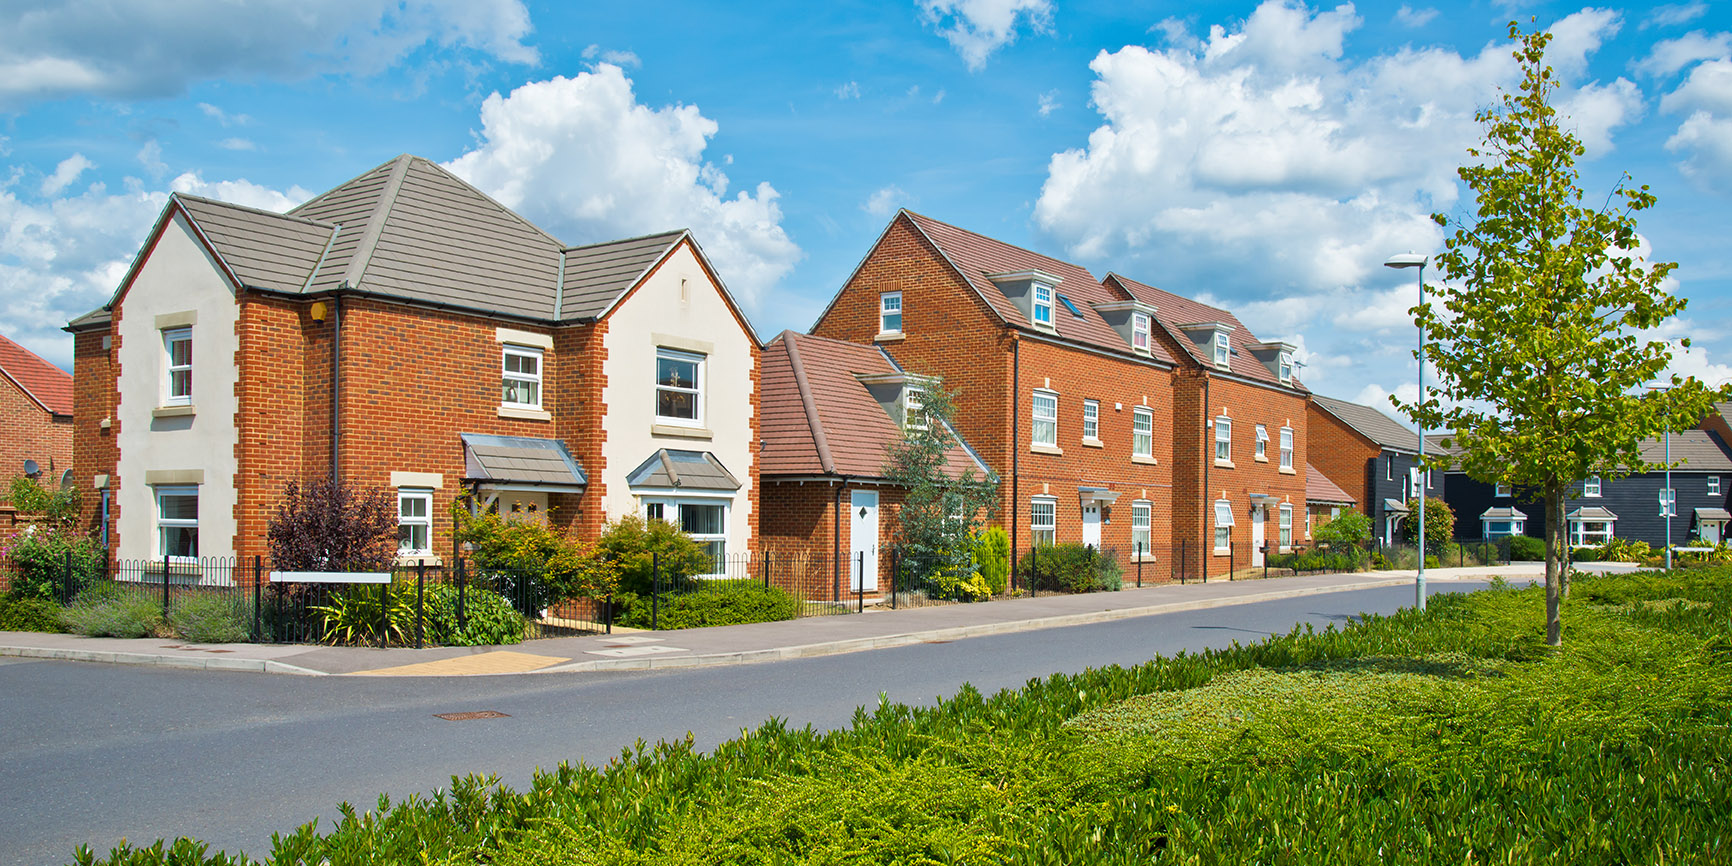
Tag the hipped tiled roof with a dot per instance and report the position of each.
(975, 256)
(411, 230)
(47, 385)
(1175, 310)
(819, 418)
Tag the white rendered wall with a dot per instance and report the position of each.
(703, 317)
(178, 276)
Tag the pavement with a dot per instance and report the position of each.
(630, 650)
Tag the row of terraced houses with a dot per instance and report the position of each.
(403, 330)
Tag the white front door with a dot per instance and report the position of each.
(863, 540)
(1091, 526)
(1256, 536)
(1711, 531)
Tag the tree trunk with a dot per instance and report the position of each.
(1554, 500)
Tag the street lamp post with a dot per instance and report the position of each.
(1416, 260)
(1668, 499)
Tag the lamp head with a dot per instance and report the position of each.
(1407, 260)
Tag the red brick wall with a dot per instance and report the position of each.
(1342, 455)
(796, 530)
(273, 395)
(29, 432)
(94, 399)
(1249, 405)
(575, 388)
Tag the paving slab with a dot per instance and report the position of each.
(724, 645)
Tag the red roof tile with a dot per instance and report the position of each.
(1321, 489)
(852, 428)
(976, 255)
(1174, 310)
(48, 385)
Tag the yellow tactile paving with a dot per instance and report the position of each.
(497, 662)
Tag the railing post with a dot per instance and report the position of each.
(1033, 570)
(860, 588)
(66, 585)
(165, 586)
(609, 613)
(420, 600)
(655, 589)
(462, 585)
(258, 598)
(895, 572)
(766, 571)
(1139, 565)
(385, 612)
(1232, 557)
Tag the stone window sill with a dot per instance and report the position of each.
(1093, 443)
(186, 411)
(1288, 470)
(525, 414)
(681, 432)
(1046, 449)
(889, 336)
(1261, 458)
(1225, 464)
(1144, 460)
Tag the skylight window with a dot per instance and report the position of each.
(1064, 299)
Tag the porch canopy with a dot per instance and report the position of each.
(1096, 496)
(1592, 514)
(1394, 506)
(682, 470)
(520, 463)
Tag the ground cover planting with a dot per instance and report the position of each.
(1453, 736)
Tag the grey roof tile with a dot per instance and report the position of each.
(597, 274)
(685, 470)
(1381, 429)
(520, 460)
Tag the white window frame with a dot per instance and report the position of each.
(1513, 527)
(1591, 487)
(1501, 491)
(1580, 537)
(1042, 521)
(914, 407)
(171, 336)
(889, 304)
(1142, 432)
(1142, 522)
(165, 523)
(423, 521)
(1223, 351)
(660, 507)
(1091, 426)
(1668, 502)
(508, 376)
(696, 391)
(1223, 439)
(1262, 452)
(1140, 331)
(1713, 485)
(1037, 418)
(1223, 526)
(1286, 447)
(1286, 526)
(1038, 307)
(1284, 366)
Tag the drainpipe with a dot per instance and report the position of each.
(1015, 446)
(336, 380)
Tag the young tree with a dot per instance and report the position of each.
(940, 512)
(332, 526)
(1538, 342)
(1439, 523)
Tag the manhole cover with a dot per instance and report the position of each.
(469, 717)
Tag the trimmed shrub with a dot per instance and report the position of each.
(211, 618)
(1072, 568)
(1526, 548)
(728, 602)
(992, 558)
(29, 614)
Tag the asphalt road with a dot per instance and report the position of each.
(92, 753)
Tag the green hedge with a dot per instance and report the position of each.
(1452, 736)
(1071, 568)
(18, 613)
(721, 602)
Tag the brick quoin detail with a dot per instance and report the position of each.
(94, 399)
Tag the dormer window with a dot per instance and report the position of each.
(1140, 331)
(1286, 367)
(1042, 305)
(914, 407)
(1222, 356)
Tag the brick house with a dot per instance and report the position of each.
(1239, 431)
(1324, 500)
(405, 331)
(1373, 458)
(1060, 387)
(831, 409)
(35, 423)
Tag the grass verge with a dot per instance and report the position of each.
(1453, 736)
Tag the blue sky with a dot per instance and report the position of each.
(1267, 157)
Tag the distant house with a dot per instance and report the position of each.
(1373, 458)
(404, 331)
(35, 415)
(831, 411)
(1599, 508)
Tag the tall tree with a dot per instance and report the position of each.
(941, 512)
(1539, 344)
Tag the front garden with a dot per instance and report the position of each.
(1450, 736)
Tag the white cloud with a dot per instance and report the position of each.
(237, 144)
(885, 201)
(65, 173)
(241, 192)
(1048, 103)
(851, 90)
(224, 117)
(938, 97)
(1408, 16)
(159, 47)
(976, 28)
(1271, 168)
(1674, 14)
(1703, 141)
(1671, 55)
(150, 156)
(1576, 36)
(617, 58)
(582, 158)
